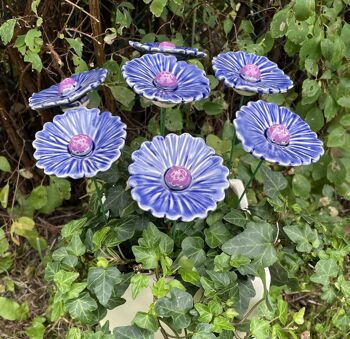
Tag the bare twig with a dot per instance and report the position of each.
(83, 10)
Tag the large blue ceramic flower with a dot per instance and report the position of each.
(277, 135)
(166, 81)
(79, 143)
(70, 92)
(249, 73)
(168, 47)
(177, 177)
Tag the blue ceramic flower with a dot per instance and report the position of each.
(168, 47)
(177, 177)
(166, 81)
(277, 135)
(79, 143)
(70, 92)
(249, 73)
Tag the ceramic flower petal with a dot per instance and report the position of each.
(166, 81)
(167, 47)
(177, 177)
(79, 143)
(70, 91)
(249, 73)
(277, 135)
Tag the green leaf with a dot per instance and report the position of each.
(176, 306)
(304, 9)
(205, 315)
(74, 333)
(282, 307)
(260, 328)
(4, 245)
(216, 235)
(132, 332)
(101, 281)
(6, 30)
(297, 31)
(173, 119)
(157, 7)
(279, 23)
(34, 59)
(302, 235)
(337, 137)
(325, 269)
(301, 185)
(33, 40)
(64, 280)
(255, 242)
(344, 102)
(274, 182)
(187, 270)
(213, 108)
(123, 94)
(227, 25)
(77, 45)
(73, 227)
(298, 317)
(221, 323)
(76, 246)
(310, 92)
(147, 321)
(138, 282)
(4, 195)
(82, 308)
(4, 164)
(236, 217)
(37, 329)
(192, 247)
(75, 290)
(38, 197)
(314, 117)
(11, 310)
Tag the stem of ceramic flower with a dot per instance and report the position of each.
(233, 142)
(99, 196)
(194, 21)
(250, 181)
(162, 121)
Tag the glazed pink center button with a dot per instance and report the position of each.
(278, 134)
(66, 85)
(166, 80)
(177, 178)
(250, 72)
(167, 44)
(80, 145)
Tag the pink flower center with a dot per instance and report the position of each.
(167, 44)
(80, 145)
(177, 178)
(250, 72)
(278, 134)
(166, 80)
(66, 85)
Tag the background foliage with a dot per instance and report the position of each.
(299, 225)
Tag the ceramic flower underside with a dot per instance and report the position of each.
(249, 74)
(70, 92)
(79, 143)
(277, 135)
(177, 177)
(168, 47)
(165, 81)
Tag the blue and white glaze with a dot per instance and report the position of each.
(253, 122)
(181, 52)
(140, 74)
(152, 161)
(85, 82)
(52, 153)
(228, 66)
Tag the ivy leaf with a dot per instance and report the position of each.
(101, 281)
(301, 185)
(138, 282)
(4, 195)
(146, 321)
(38, 197)
(282, 307)
(4, 164)
(236, 217)
(298, 317)
(324, 270)
(116, 199)
(37, 329)
(274, 182)
(255, 242)
(76, 246)
(64, 280)
(216, 235)
(260, 328)
(302, 235)
(73, 227)
(187, 270)
(11, 310)
(132, 332)
(6, 30)
(157, 7)
(176, 306)
(192, 247)
(82, 308)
